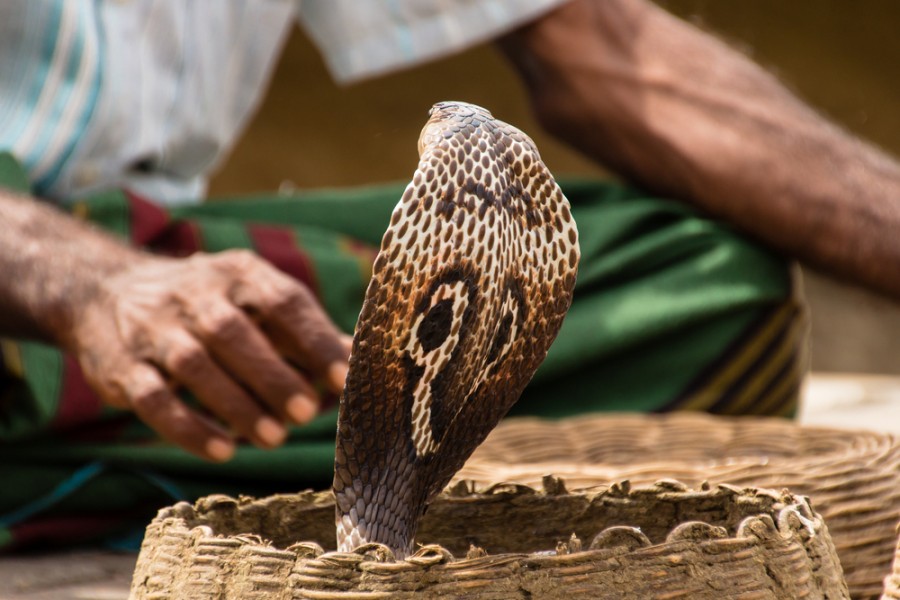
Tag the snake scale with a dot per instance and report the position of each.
(470, 287)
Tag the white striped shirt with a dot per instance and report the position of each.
(150, 94)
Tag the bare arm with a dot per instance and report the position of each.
(142, 326)
(678, 111)
(51, 264)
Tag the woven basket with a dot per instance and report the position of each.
(661, 541)
(892, 581)
(852, 477)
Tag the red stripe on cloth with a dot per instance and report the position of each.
(77, 401)
(181, 238)
(279, 247)
(147, 220)
(151, 226)
(110, 429)
(63, 530)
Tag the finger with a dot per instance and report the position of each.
(100, 360)
(333, 375)
(297, 324)
(159, 408)
(187, 362)
(239, 346)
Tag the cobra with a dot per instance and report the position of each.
(469, 289)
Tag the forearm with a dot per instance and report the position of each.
(51, 265)
(679, 112)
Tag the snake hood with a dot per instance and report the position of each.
(469, 289)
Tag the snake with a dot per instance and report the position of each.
(472, 281)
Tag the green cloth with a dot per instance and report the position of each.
(672, 311)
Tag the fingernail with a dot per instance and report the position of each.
(220, 450)
(270, 431)
(337, 373)
(301, 408)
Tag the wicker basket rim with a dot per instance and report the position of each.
(782, 514)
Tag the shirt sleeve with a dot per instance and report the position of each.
(362, 39)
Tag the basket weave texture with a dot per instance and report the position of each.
(661, 541)
(216, 550)
(851, 477)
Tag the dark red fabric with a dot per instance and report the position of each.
(111, 429)
(152, 228)
(148, 220)
(278, 246)
(37, 532)
(180, 238)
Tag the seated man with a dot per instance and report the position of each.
(118, 111)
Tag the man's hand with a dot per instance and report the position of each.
(221, 326)
(229, 328)
(679, 112)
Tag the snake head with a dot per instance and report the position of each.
(445, 121)
(471, 284)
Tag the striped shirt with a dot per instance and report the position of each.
(150, 94)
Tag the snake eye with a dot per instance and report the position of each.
(435, 326)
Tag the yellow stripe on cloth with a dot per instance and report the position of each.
(750, 400)
(712, 390)
(12, 358)
(774, 403)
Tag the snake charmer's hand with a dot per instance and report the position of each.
(227, 327)
(675, 110)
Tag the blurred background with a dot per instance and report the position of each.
(841, 57)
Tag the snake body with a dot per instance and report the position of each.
(471, 284)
